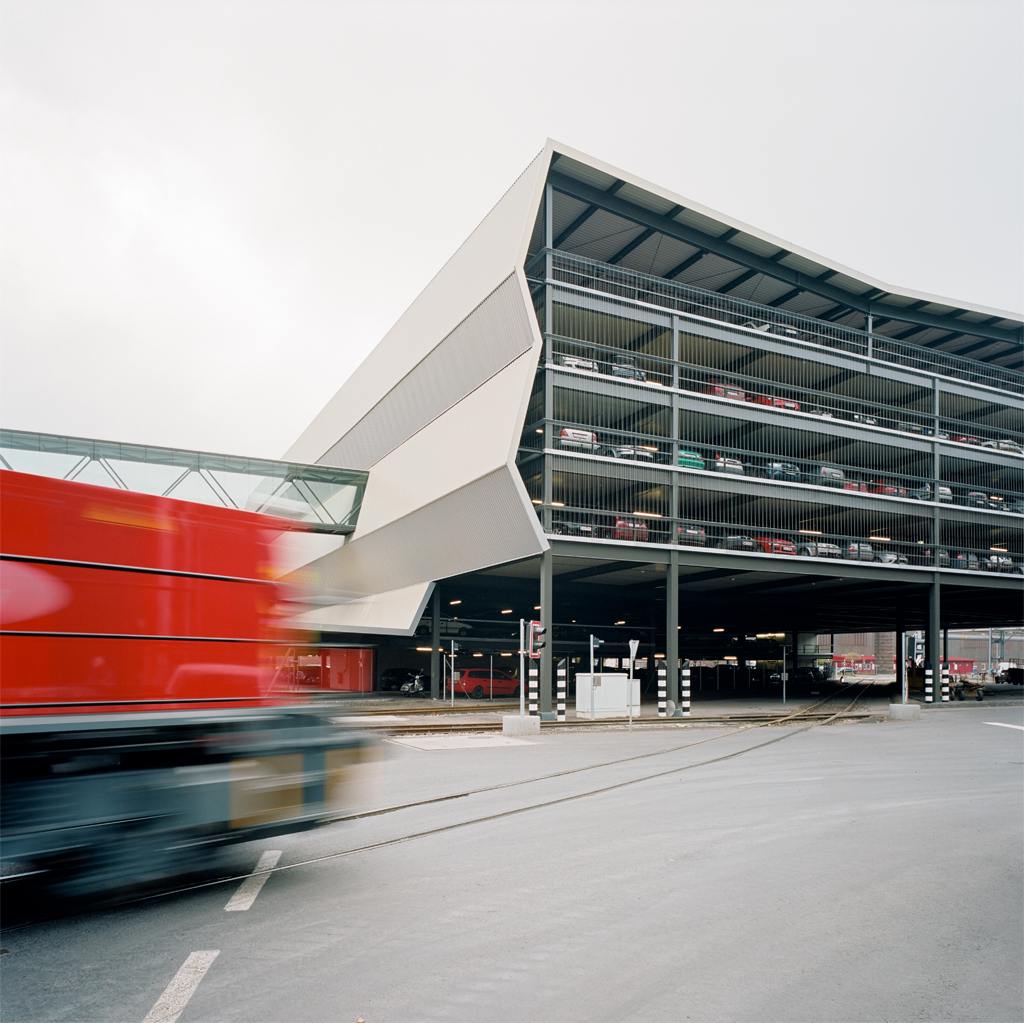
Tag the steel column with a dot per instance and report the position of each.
(934, 634)
(547, 620)
(435, 644)
(672, 626)
(901, 663)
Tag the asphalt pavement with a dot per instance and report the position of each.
(862, 871)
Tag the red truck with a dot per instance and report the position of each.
(144, 715)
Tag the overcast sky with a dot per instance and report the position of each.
(211, 211)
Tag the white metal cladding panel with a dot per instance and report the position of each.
(396, 612)
(492, 336)
(488, 522)
(473, 438)
(481, 263)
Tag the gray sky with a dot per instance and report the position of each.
(211, 211)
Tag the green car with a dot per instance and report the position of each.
(690, 460)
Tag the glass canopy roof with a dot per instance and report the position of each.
(321, 497)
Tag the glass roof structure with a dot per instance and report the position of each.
(323, 498)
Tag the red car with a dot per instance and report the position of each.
(883, 487)
(854, 485)
(477, 683)
(630, 529)
(763, 399)
(967, 440)
(723, 390)
(772, 546)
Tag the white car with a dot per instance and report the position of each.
(1004, 445)
(578, 440)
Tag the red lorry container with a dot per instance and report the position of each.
(144, 716)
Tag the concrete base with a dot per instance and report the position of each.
(513, 724)
(904, 712)
(548, 715)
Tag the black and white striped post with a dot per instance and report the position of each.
(929, 696)
(662, 692)
(684, 692)
(945, 684)
(534, 691)
(560, 694)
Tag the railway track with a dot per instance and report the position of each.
(811, 717)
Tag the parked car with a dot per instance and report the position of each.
(575, 362)
(924, 493)
(630, 529)
(830, 476)
(784, 471)
(771, 545)
(625, 366)
(764, 399)
(1014, 504)
(729, 465)
(886, 487)
(691, 535)
(738, 542)
(578, 440)
(724, 390)
(478, 683)
(1004, 445)
(816, 549)
(996, 563)
(941, 558)
(859, 552)
(448, 627)
(820, 411)
(890, 558)
(966, 560)
(855, 485)
(908, 427)
(977, 499)
(574, 529)
(967, 440)
(632, 451)
(690, 460)
(394, 678)
(864, 420)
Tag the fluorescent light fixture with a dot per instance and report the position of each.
(811, 532)
(644, 447)
(508, 612)
(1002, 550)
(423, 649)
(538, 431)
(620, 623)
(771, 635)
(558, 504)
(647, 515)
(506, 655)
(454, 602)
(731, 657)
(878, 538)
(536, 607)
(478, 655)
(536, 501)
(718, 630)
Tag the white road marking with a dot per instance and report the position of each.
(250, 887)
(432, 742)
(175, 997)
(1000, 724)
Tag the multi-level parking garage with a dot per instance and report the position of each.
(616, 406)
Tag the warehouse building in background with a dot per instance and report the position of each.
(621, 412)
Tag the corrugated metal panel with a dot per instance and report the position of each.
(567, 210)
(494, 335)
(601, 226)
(643, 256)
(487, 522)
(670, 255)
(758, 246)
(645, 199)
(803, 265)
(479, 266)
(715, 228)
(582, 172)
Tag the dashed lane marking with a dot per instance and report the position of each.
(176, 995)
(250, 887)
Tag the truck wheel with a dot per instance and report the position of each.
(960, 695)
(980, 697)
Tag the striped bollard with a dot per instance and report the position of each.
(928, 692)
(560, 683)
(945, 685)
(662, 694)
(684, 698)
(534, 689)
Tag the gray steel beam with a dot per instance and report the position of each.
(547, 621)
(435, 644)
(584, 217)
(720, 246)
(685, 264)
(672, 627)
(737, 281)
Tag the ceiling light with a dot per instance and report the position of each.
(718, 630)
(453, 602)
(536, 607)
(508, 612)
(558, 504)
(811, 532)
(647, 515)
(535, 501)
(1002, 550)
(539, 431)
(878, 538)
(478, 655)
(423, 649)
(620, 623)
